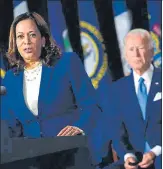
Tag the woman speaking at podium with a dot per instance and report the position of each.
(48, 93)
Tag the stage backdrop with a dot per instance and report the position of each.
(90, 35)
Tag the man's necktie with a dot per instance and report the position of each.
(142, 96)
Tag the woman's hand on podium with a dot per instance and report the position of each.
(70, 131)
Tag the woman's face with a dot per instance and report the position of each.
(29, 41)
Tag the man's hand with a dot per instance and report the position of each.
(70, 131)
(148, 159)
(130, 160)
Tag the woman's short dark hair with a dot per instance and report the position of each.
(50, 53)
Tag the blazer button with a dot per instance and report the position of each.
(81, 109)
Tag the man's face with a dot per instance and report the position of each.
(137, 53)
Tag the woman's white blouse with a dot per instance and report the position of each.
(31, 87)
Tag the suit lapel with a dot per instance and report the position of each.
(153, 90)
(25, 114)
(134, 98)
(20, 85)
(46, 77)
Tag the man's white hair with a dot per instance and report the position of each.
(144, 33)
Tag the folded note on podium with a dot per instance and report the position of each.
(24, 151)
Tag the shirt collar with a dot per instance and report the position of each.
(147, 75)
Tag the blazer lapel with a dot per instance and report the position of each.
(20, 85)
(153, 90)
(45, 81)
(134, 98)
(46, 77)
(26, 114)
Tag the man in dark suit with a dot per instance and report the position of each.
(138, 102)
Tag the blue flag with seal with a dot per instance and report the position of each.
(95, 59)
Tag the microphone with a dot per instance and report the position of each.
(2, 90)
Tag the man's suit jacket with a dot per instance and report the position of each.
(66, 97)
(134, 129)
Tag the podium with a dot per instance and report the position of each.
(69, 152)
